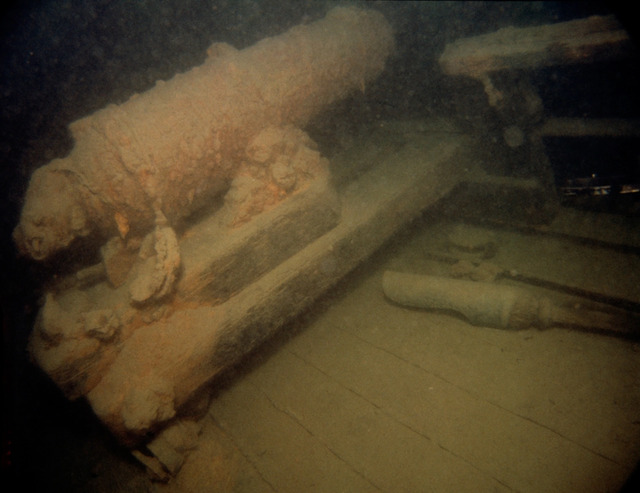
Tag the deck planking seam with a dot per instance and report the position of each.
(299, 422)
(480, 398)
(291, 395)
(403, 424)
(241, 451)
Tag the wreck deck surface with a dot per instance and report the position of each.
(360, 394)
(364, 395)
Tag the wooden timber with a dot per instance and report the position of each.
(510, 48)
(138, 364)
(165, 362)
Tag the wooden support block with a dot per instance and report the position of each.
(218, 262)
(85, 323)
(165, 362)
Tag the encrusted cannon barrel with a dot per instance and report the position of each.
(165, 152)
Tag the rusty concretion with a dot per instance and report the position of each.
(165, 152)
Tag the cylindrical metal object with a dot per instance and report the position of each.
(182, 142)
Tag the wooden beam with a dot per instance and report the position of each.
(164, 363)
(578, 41)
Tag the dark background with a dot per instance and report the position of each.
(63, 59)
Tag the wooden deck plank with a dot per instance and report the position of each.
(371, 396)
(391, 455)
(563, 379)
(288, 456)
(217, 465)
(582, 386)
(522, 454)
